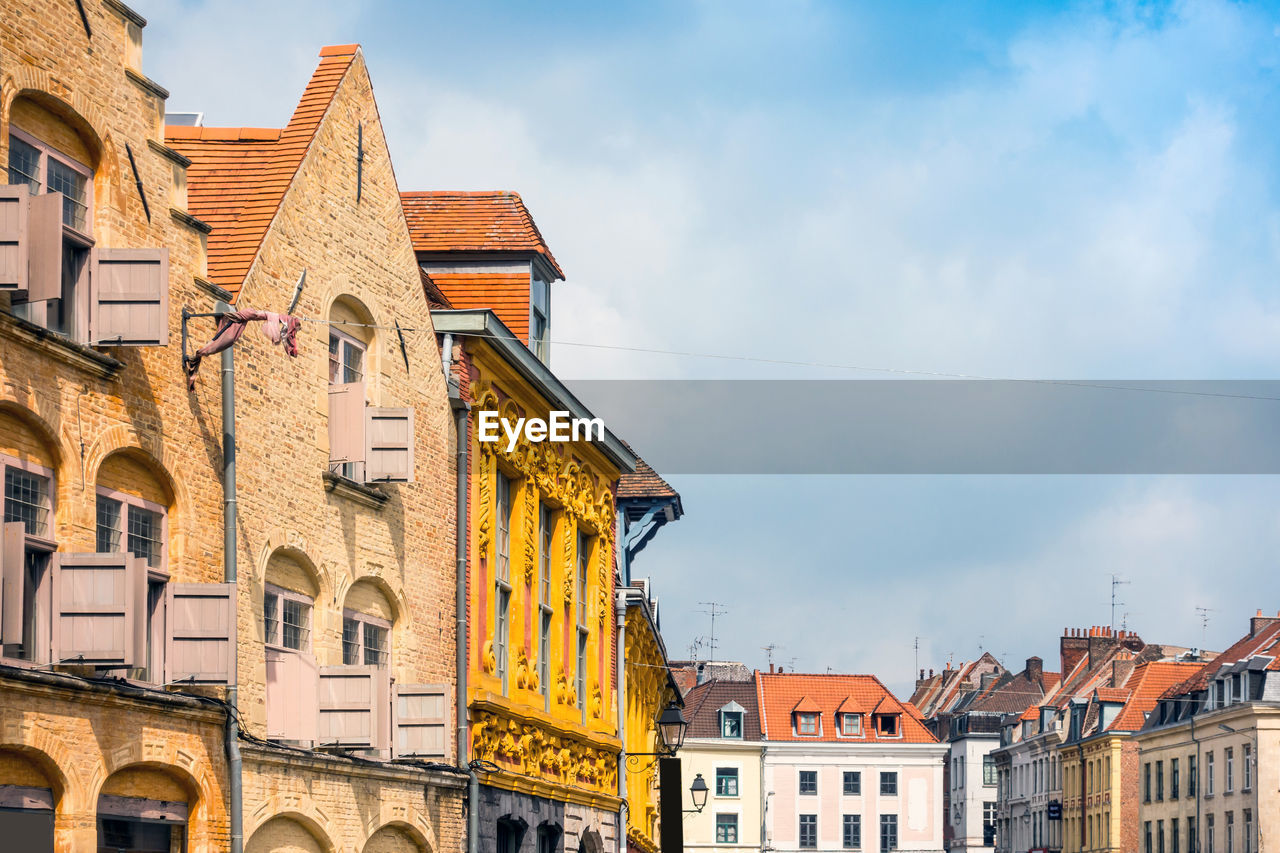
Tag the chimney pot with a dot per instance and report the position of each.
(931, 672)
(771, 667)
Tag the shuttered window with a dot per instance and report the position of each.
(388, 445)
(201, 620)
(355, 706)
(130, 297)
(421, 717)
(99, 609)
(346, 430)
(13, 235)
(293, 695)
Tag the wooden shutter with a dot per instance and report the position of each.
(44, 253)
(99, 609)
(355, 706)
(201, 627)
(346, 422)
(388, 445)
(130, 297)
(13, 565)
(421, 717)
(292, 695)
(13, 236)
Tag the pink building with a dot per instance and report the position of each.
(847, 766)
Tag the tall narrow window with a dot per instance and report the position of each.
(1208, 833)
(584, 558)
(582, 671)
(1246, 766)
(1159, 781)
(1229, 832)
(1174, 781)
(540, 319)
(851, 832)
(1208, 774)
(888, 832)
(346, 404)
(808, 831)
(286, 619)
(545, 532)
(1228, 770)
(502, 576)
(28, 500)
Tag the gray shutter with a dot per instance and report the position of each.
(292, 697)
(130, 302)
(44, 253)
(421, 718)
(201, 627)
(346, 422)
(355, 705)
(13, 565)
(388, 445)
(99, 609)
(13, 236)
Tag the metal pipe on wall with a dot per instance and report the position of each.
(620, 609)
(235, 765)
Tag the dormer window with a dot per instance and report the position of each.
(806, 723)
(540, 319)
(850, 725)
(888, 725)
(731, 723)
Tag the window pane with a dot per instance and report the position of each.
(24, 164)
(108, 526)
(731, 724)
(270, 617)
(350, 642)
(352, 361)
(375, 645)
(584, 553)
(74, 187)
(503, 543)
(294, 623)
(544, 554)
(726, 829)
(335, 363)
(26, 499)
(726, 781)
(145, 537)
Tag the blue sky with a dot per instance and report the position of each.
(1013, 190)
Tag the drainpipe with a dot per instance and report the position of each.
(460, 409)
(1083, 807)
(234, 763)
(1196, 745)
(620, 611)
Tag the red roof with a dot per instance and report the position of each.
(496, 221)
(1266, 641)
(782, 693)
(238, 175)
(644, 482)
(1145, 686)
(505, 294)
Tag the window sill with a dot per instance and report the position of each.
(56, 346)
(370, 496)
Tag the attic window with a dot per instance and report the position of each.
(887, 725)
(731, 724)
(539, 318)
(850, 725)
(806, 724)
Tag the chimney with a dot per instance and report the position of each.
(922, 673)
(1101, 642)
(702, 674)
(1259, 622)
(931, 672)
(1035, 669)
(1071, 648)
(1120, 672)
(781, 670)
(771, 666)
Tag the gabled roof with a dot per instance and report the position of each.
(702, 705)
(1111, 694)
(492, 221)
(238, 176)
(783, 693)
(1145, 685)
(645, 483)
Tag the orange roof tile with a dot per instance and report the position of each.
(782, 693)
(238, 176)
(505, 294)
(1266, 641)
(496, 221)
(644, 482)
(1111, 694)
(1145, 685)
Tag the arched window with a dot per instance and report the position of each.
(144, 810)
(367, 618)
(293, 698)
(28, 540)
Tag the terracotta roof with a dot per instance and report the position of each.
(496, 221)
(644, 482)
(703, 702)
(505, 294)
(1145, 686)
(781, 693)
(435, 298)
(1111, 694)
(806, 706)
(238, 176)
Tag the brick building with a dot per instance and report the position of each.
(112, 499)
(346, 483)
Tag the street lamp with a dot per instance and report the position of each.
(698, 792)
(671, 728)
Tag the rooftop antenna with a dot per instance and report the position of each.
(1203, 613)
(768, 650)
(1124, 621)
(981, 640)
(1116, 581)
(715, 609)
(917, 668)
(694, 647)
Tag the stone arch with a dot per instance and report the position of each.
(590, 842)
(275, 825)
(148, 450)
(396, 832)
(126, 771)
(40, 432)
(291, 543)
(38, 86)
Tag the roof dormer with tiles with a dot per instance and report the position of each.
(483, 250)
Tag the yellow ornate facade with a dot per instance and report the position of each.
(541, 558)
(649, 688)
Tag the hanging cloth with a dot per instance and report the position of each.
(277, 328)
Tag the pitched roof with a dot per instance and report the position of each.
(703, 702)
(505, 294)
(1265, 641)
(1145, 685)
(644, 482)
(238, 176)
(492, 221)
(781, 693)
